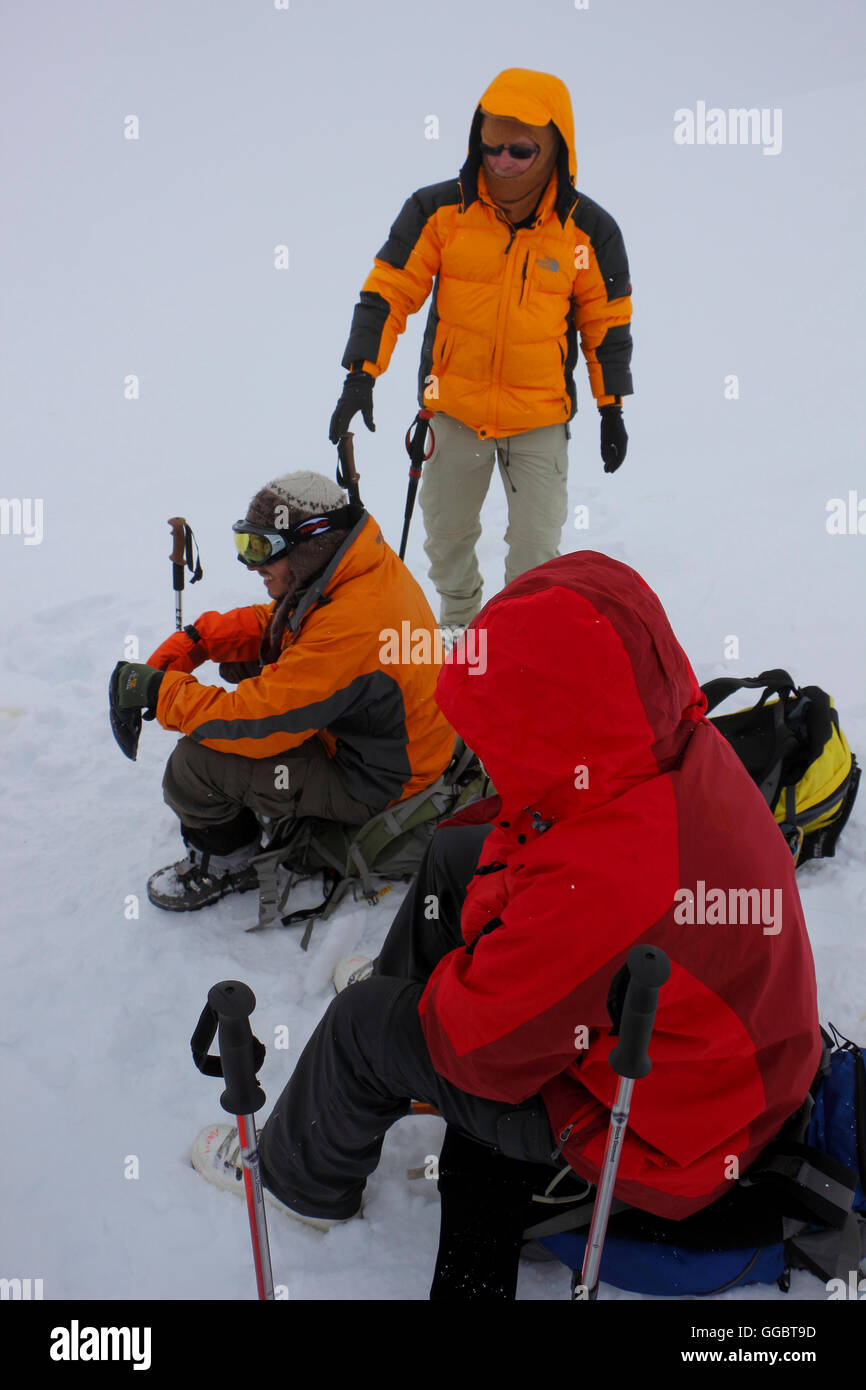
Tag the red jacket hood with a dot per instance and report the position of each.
(571, 687)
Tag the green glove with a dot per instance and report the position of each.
(138, 685)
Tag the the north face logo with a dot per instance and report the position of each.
(548, 264)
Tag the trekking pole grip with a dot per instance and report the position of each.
(178, 542)
(649, 968)
(233, 1002)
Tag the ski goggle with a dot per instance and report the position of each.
(258, 545)
(516, 151)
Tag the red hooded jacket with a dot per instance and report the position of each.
(617, 799)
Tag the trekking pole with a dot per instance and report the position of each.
(229, 1005)
(648, 969)
(415, 449)
(183, 541)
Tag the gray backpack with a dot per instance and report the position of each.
(389, 847)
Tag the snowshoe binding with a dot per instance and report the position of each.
(216, 1154)
(201, 879)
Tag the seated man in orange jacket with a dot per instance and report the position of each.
(622, 817)
(325, 722)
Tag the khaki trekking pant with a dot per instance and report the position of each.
(454, 484)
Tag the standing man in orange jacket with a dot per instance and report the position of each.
(328, 719)
(519, 263)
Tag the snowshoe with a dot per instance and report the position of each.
(202, 878)
(216, 1154)
(350, 970)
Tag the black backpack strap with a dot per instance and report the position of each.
(769, 771)
(576, 1218)
(826, 1254)
(805, 1183)
(461, 760)
(776, 681)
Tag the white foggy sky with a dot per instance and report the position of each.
(306, 127)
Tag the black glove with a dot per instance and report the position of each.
(357, 395)
(614, 440)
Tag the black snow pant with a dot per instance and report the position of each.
(368, 1059)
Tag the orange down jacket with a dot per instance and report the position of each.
(500, 345)
(334, 678)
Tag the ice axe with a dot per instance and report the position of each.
(181, 558)
(648, 968)
(229, 1005)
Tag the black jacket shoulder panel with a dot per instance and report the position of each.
(607, 243)
(413, 217)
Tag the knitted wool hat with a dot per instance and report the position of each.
(304, 494)
(295, 497)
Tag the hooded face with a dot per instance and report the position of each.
(520, 107)
(515, 184)
(585, 691)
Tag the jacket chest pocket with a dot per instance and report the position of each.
(526, 276)
(442, 358)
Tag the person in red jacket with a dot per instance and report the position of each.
(622, 817)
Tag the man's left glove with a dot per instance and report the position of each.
(614, 440)
(138, 686)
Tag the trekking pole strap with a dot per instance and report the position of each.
(415, 441)
(229, 1005)
(415, 449)
(182, 543)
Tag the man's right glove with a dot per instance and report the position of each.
(182, 651)
(357, 395)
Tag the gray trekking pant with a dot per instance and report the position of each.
(454, 483)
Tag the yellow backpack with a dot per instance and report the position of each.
(796, 753)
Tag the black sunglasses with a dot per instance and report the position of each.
(516, 151)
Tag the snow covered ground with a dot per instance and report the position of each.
(153, 257)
